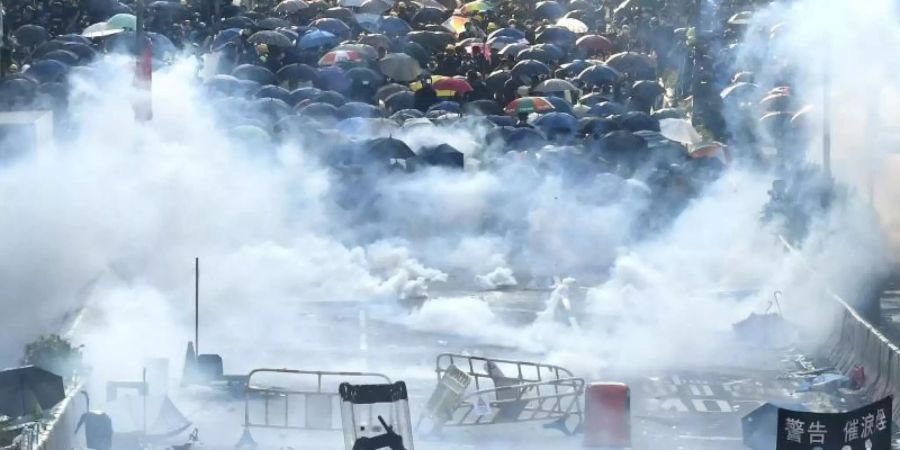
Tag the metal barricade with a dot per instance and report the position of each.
(319, 404)
(505, 391)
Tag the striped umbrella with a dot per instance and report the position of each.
(478, 6)
(527, 105)
(339, 56)
(456, 24)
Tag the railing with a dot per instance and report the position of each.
(57, 432)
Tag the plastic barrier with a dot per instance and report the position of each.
(318, 402)
(59, 432)
(376, 416)
(505, 391)
(607, 415)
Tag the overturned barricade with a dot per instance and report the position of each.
(503, 391)
(309, 402)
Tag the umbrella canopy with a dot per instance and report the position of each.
(225, 37)
(632, 63)
(291, 7)
(597, 126)
(741, 91)
(594, 43)
(377, 7)
(478, 6)
(340, 56)
(557, 122)
(400, 100)
(63, 56)
(495, 80)
(365, 76)
(272, 23)
(529, 69)
(527, 105)
(333, 26)
(599, 74)
(101, 29)
(646, 89)
(550, 10)
(31, 35)
(46, 71)
(572, 69)
(638, 121)
(431, 39)
(293, 73)
(271, 38)
(560, 36)
(317, 110)
(446, 106)
(255, 73)
(342, 14)
(508, 32)
(555, 85)
(331, 97)
(238, 22)
(442, 155)
(606, 109)
(428, 15)
(387, 90)
(378, 41)
(302, 94)
(276, 92)
(483, 108)
(225, 84)
(123, 21)
(396, 26)
(536, 54)
(358, 109)
(453, 86)
(317, 38)
(85, 52)
(25, 390)
(400, 67)
(388, 148)
(574, 25)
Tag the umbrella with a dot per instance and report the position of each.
(456, 24)
(446, 106)
(560, 104)
(741, 91)
(621, 142)
(741, 18)
(529, 69)
(305, 93)
(378, 41)
(46, 71)
(63, 56)
(276, 92)
(123, 21)
(332, 78)
(400, 67)
(495, 80)
(255, 73)
(431, 39)
(273, 109)
(225, 37)
(592, 99)
(163, 48)
(400, 100)
(340, 56)
(293, 73)
(574, 25)
(84, 52)
(555, 85)
(648, 90)
(599, 74)
(319, 111)
(478, 6)
(595, 43)
(367, 51)
(527, 105)
(454, 85)
(358, 109)
(483, 108)
(271, 38)
(631, 62)
(317, 38)
(22, 88)
(507, 32)
(637, 121)
(557, 122)
(535, 54)
(388, 148)
(291, 6)
(391, 88)
(442, 155)
(513, 49)
(524, 138)
(365, 76)
(550, 10)
(25, 390)
(47, 47)
(225, 84)
(30, 35)
(239, 22)
(377, 7)
(73, 38)
(333, 26)
(500, 42)
(162, 417)
(395, 26)
(560, 36)
(272, 23)
(101, 29)
(777, 102)
(597, 126)
(173, 9)
(553, 49)
(331, 97)
(418, 52)
(606, 109)
(342, 14)
(572, 69)
(407, 114)
(428, 15)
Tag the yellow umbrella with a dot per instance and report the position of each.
(416, 85)
(456, 24)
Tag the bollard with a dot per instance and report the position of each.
(607, 415)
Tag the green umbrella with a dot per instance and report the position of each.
(123, 21)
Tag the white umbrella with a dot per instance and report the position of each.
(679, 130)
(100, 29)
(574, 25)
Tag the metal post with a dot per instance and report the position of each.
(826, 115)
(144, 393)
(196, 306)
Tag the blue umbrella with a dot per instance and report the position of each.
(320, 111)
(46, 71)
(523, 138)
(557, 122)
(509, 32)
(317, 38)
(560, 104)
(358, 109)
(333, 26)
(333, 78)
(529, 69)
(502, 121)
(556, 35)
(307, 93)
(499, 42)
(599, 74)
(278, 92)
(394, 25)
(448, 106)
(606, 109)
(549, 10)
(331, 97)
(399, 101)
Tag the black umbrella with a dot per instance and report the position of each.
(377, 7)
(535, 54)
(550, 10)
(572, 69)
(647, 90)
(365, 76)
(85, 52)
(418, 52)
(255, 73)
(272, 108)
(30, 35)
(25, 390)
(239, 22)
(225, 84)
(599, 74)
(606, 109)
(497, 79)
(388, 148)
(523, 138)
(483, 108)
(431, 39)
(442, 155)
(17, 89)
(64, 56)
(171, 8)
(333, 26)
(428, 15)
(293, 73)
(400, 100)
(46, 71)
(320, 111)
(302, 94)
(406, 114)
(358, 109)
(342, 14)
(291, 7)
(597, 126)
(272, 23)
(271, 38)
(74, 38)
(529, 70)
(560, 36)
(633, 63)
(331, 97)
(621, 142)
(593, 98)
(389, 89)
(637, 121)
(278, 92)
(246, 87)
(47, 47)
(400, 67)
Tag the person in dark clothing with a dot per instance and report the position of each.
(480, 90)
(426, 96)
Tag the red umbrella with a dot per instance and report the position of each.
(527, 105)
(595, 43)
(452, 84)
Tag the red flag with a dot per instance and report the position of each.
(143, 81)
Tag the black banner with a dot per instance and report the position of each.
(866, 428)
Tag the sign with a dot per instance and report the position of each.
(447, 394)
(866, 428)
(481, 407)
